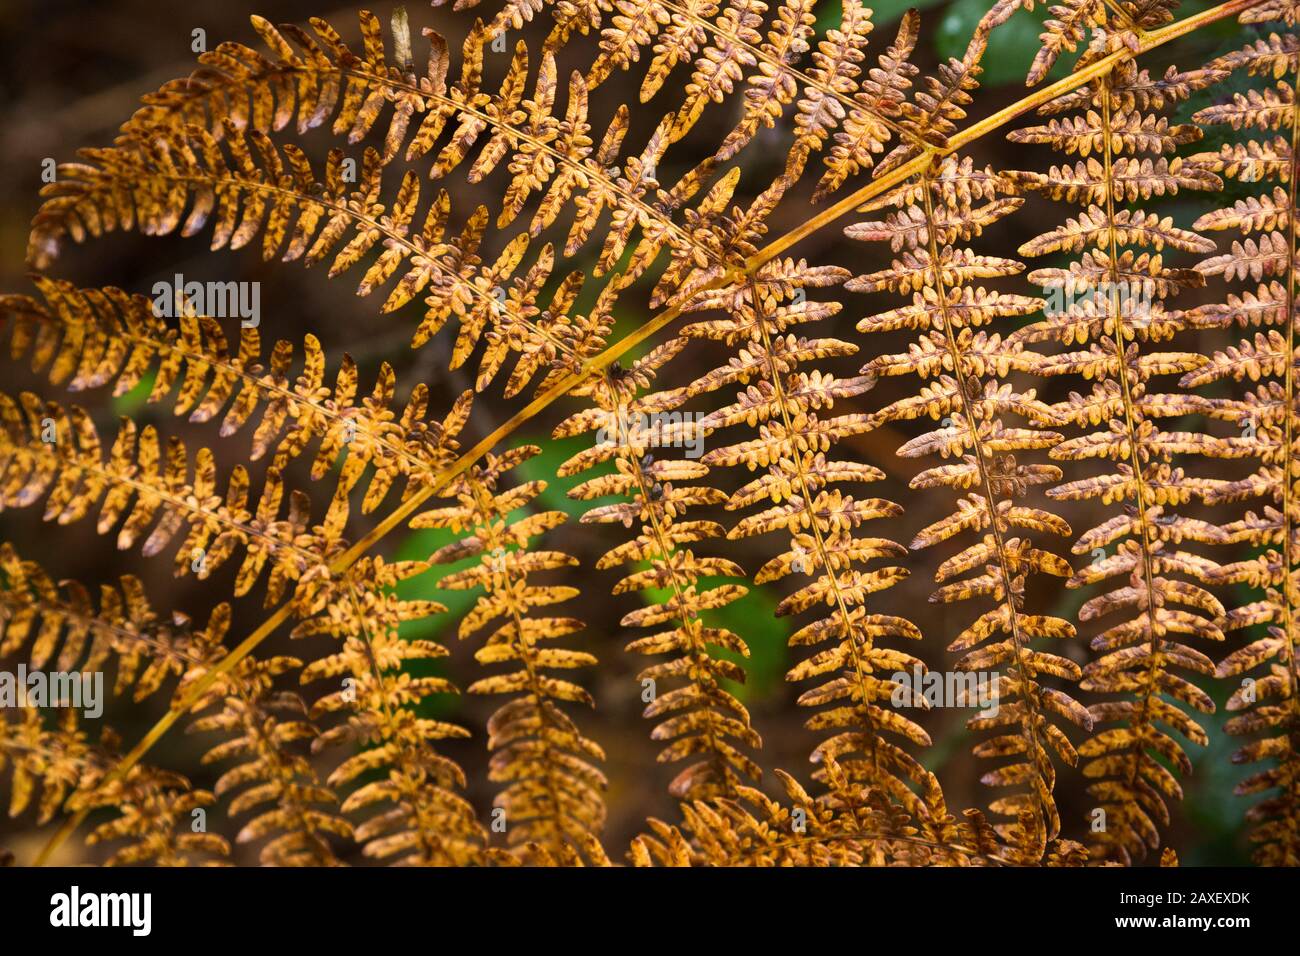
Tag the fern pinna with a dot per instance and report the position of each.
(732, 250)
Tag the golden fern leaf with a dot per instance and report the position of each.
(1267, 700)
(48, 761)
(833, 98)
(90, 338)
(189, 171)
(547, 155)
(156, 809)
(938, 106)
(158, 819)
(429, 822)
(849, 826)
(960, 364)
(552, 793)
(701, 717)
(149, 492)
(789, 409)
(60, 625)
(260, 727)
(1111, 299)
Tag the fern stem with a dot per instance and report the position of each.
(1116, 306)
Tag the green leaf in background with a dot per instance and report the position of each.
(132, 402)
(830, 12)
(1012, 46)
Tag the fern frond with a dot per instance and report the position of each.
(1266, 703)
(548, 155)
(154, 807)
(423, 818)
(1112, 299)
(701, 717)
(50, 762)
(60, 625)
(833, 99)
(90, 338)
(552, 793)
(157, 819)
(792, 412)
(260, 727)
(149, 492)
(849, 826)
(960, 364)
(938, 106)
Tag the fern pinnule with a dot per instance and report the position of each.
(552, 795)
(1111, 298)
(938, 106)
(423, 818)
(834, 99)
(1266, 704)
(960, 364)
(701, 717)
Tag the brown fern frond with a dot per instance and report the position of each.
(833, 98)
(186, 178)
(701, 717)
(159, 818)
(1111, 298)
(849, 826)
(260, 727)
(792, 412)
(960, 364)
(155, 809)
(90, 338)
(423, 818)
(60, 625)
(649, 208)
(547, 155)
(50, 762)
(47, 452)
(938, 106)
(1267, 701)
(552, 793)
